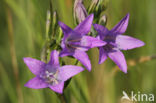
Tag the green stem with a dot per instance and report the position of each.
(62, 98)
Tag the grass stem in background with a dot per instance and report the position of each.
(13, 55)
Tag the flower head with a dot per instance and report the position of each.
(51, 74)
(116, 42)
(75, 42)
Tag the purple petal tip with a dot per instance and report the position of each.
(95, 25)
(25, 59)
(127, 16)
(91, 16)
(59, 22)
(125, 71)
(100, 62)
(26, 85)
(89, 69)
(143, 43)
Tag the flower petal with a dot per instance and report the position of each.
(36, 83)
(65, 52)
(35, 66)
(91, 42)
(74, 36)
(119, 59)
(121, 27)
(66, 30)
(102, 55)
(85, 26)
(102, 31)
(83, 58)
(127, 42)
(57, 88)
(54, 58)
(67, 71)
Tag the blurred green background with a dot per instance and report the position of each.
(22, 34)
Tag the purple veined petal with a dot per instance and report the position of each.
(126, 42)
(121, 27)
(66, 30)
(65, 52)
(57, 88)
(74, 36)
(82, 45)
(54, 58)
(102, 31)
(36, 83)
(68, 71)
(92, 42)
(85, 26)
(119, 59)
(35, 66)
(83, 58)
(102, 55)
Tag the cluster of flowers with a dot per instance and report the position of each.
(75, 43)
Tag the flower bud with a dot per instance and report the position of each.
(54, 21)
(93, 5)
(80, 12)
(48, 22)
(97, 6)
(103, 20)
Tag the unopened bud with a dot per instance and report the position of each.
(103, 20)
(80, 12)
(48, 22)
(54, 25)
(97, 6)
(93, 5)
(54, 20)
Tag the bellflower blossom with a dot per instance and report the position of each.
(75, 42)
(51, 74)
(116, 42)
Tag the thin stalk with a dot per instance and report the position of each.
(62, 98)
(13, 56)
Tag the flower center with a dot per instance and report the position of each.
(73, 44)
(50, 77)
(109, 38)
(109, 46)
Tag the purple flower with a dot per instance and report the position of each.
(50, 75)
(75, 42)
(116, 42)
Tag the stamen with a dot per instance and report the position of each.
(50, 77)
(70, 43)
(75, 40)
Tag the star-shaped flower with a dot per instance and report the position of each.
(116, 42)
(51, 74)
(75, 42)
